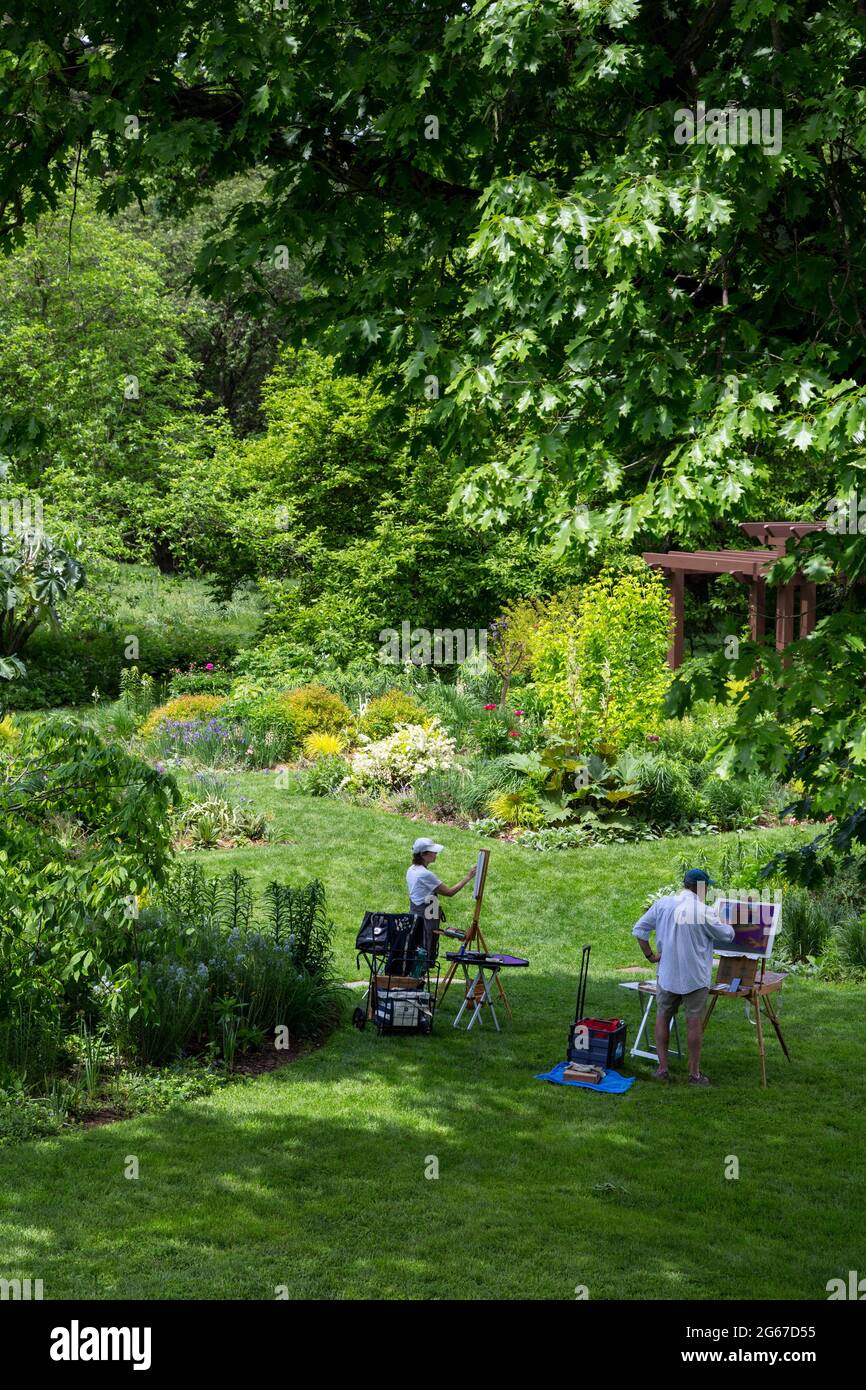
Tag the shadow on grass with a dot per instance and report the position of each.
(318, 1178)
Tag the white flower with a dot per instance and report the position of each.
(403, 757)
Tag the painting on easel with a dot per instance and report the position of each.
(480, 873)
(755, 925)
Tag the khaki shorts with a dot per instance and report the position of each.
(693, 1003)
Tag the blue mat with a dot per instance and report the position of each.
(613, 1083)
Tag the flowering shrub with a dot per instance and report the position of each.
(181, 709)
(408, 753)
(495, 732)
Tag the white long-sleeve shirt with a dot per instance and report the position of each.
(686, 931)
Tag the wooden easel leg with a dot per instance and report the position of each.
(708, 1015)
(774, 1019)
(759, 1031)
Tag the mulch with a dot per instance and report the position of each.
(264, 1059)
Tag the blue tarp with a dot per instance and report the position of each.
(613, 1083)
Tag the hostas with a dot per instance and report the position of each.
(205, 823)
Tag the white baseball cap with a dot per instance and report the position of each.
(426, 846)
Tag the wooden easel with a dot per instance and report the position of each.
(756, 987)
(474, 934)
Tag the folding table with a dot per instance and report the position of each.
(648, 989)
(486, 968)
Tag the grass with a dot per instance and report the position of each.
(141, 594)
(314, 1176)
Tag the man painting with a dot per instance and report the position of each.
(686, 931)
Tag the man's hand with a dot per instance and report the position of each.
(653, 958)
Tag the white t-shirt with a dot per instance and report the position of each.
(422, 883)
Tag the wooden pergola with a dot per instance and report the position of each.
(749, 567)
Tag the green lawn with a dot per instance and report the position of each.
(313, 1177)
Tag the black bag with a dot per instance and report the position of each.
(396, 936)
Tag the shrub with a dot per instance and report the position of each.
(325, 776)
(667, 793)
(8, 731)
(806, 927)
(323, 746)
(852, 943)
(517, 808)
(600, 659)
(64, 668)
(182, 709)
(272, 727)
(316, 710)
(200, 681)
(513, 638)
(495, 732)
(386, 712)
(403, 757)
(732, 802)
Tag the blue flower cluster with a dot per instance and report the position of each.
(191, 732)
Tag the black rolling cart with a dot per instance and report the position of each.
(400, 951)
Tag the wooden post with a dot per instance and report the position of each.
(808, 604)
(784, 615)
(758, 609)
(676, 581)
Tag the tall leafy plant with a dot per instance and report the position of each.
(600, 660)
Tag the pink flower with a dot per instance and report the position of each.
(652, 738)
(514, 733)
(490, 707)
(518, 713)
(209, 666)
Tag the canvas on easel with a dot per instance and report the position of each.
(756, 925)
(480, 873)
(743, 965)
(474, 939)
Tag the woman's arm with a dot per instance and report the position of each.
(445, 892)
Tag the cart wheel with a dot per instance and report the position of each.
(359, 1018)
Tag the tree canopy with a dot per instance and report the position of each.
(623, 330)
(615, 321)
